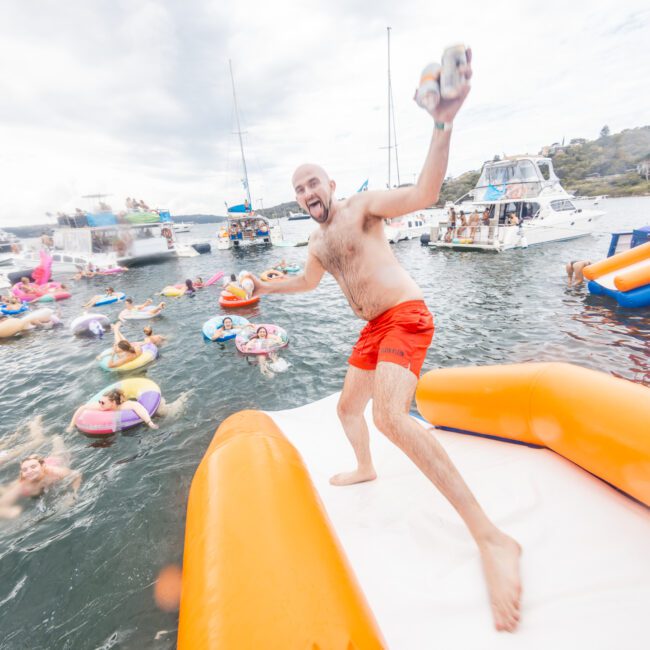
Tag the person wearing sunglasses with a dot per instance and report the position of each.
(114, 400)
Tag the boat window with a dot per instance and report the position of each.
(529, 210)
(561, 206)
(545, 169)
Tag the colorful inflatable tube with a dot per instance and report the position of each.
(262, 566)
(11, 326)
(228, 301)
(42, 292)
(624, 276)
(149, 355)
(139, 314)
(248, 343)
(597, 421)
(82, 324)
(211, 326)
(109, 299)
(96, 422)
(12, 310)
(172, 291)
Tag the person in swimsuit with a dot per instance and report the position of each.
(36, 475)
(14, 445)
(109, 292)
(150, 337)
(114, 400)
(129, 306)
(385, 363)
(123, 350)
(574, 271)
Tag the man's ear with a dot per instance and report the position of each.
(332, 185)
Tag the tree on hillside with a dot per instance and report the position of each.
(604, 132)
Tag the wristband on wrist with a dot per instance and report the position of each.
(443, 126)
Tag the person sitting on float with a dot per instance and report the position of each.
(26, 286)
(246, 283)
(123, 350)
(36, 475)
(198, 283)
(114, 400)
(129, 306)
(98, 298)
(262, 340)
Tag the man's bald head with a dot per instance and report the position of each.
(314, 190)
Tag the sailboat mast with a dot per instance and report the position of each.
(241, 143)
(389, 107)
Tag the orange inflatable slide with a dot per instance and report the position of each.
(262, 566)
(599, 422)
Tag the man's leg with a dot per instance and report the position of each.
(569, 272)
(392, 397)
(357, 390)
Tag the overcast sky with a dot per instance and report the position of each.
(133, 98)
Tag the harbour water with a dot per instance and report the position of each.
(80, 575)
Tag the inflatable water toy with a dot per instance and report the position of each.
(247, 344)
(211, 326)
(12, 311)
(624, 276)
(98, 422)
(139, 314)
(109, 299)
(272, 274)
(174, 291)
(228, 301)
(245, 533)
(597, 421)
(42, 292)
(235, 290)
(82, 324)
(11, 327)
(149, 354)
(43, 316)
(290, 268)
(215, 278)
(586, 544)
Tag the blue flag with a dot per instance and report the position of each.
(364, 186)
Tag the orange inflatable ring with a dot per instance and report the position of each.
(228, 301)
(262, 567)
(272, 274)
(597, 421)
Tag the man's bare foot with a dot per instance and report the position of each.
(500, 559)
(350, 478)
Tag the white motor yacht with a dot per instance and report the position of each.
(7, 248)
(181, 227)
(412, 225)
(519, 202)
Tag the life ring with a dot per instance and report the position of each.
(96, 422)
(514, 191)
(247, 343)
(228, 301)
(148, 355)
(166, 233)
(272, 274)
(211, 326)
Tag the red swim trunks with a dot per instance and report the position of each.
(400, 335)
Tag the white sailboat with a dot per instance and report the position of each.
(244, 227)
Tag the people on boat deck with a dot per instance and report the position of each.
(451, 226)
(129, 306)
(513, 219)
(109, 292)
(150, 337)
(46, 240)
(462, 227)
(385, 364)
(474, 222)
(485, 217)
(36, 475)
(575, 272)
(104, 207)
(114, 400)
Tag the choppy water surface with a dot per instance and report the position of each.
(81, 576)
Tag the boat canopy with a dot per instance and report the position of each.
(520, 178)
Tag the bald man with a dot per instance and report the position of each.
(385, 362)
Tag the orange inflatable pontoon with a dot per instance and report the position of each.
(262, 566)
(599, 422)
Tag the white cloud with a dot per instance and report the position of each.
(134, 97)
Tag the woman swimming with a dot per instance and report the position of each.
(36, 475)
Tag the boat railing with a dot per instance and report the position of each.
(484, 234)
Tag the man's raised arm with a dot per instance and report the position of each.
(425, 193)
(308, 280)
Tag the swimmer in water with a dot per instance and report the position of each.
(150, 337)
(575, 272)
(123, 350)
(95, 299)
(14, 445)
(146, 305)
(36, 475)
